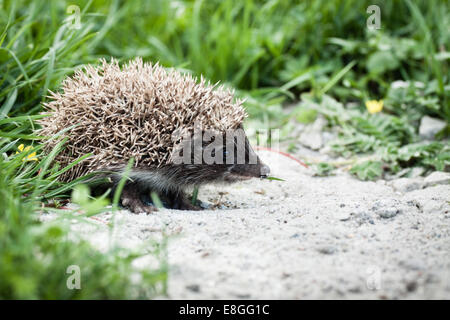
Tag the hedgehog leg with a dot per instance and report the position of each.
(181, 202)
(130, 198)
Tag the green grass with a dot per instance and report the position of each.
(34, 256)
(318, 54)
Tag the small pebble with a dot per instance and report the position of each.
(327, 250)
(193, 287)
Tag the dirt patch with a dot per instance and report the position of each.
(303, 238)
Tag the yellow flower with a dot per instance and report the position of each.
(374, 106)
(30, 157)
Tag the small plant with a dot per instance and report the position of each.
(306, 115)
(391, 142)
(324, 169)
(367, 170)
(34, 256)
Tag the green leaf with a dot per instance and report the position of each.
(324, 169)
(305, 115)
(80, 194)
(382, 61)
(368, 170)
(194, 195)
(4, 110)
(274, 178)
(156, 200)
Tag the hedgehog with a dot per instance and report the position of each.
(156, 116)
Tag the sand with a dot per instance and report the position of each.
(303, 238)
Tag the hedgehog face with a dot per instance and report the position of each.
(213, 158)
(245, 162)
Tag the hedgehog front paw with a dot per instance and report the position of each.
(189, 206)
(130, 199)
(136, 205)
(184, 203)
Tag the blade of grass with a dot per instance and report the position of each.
(337, 77)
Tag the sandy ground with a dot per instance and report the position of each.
(303, 238)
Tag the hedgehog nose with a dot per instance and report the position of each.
(265, 170)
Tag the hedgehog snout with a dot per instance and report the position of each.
(258, 170)
(264, 171)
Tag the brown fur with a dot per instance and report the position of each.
(117, 113)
